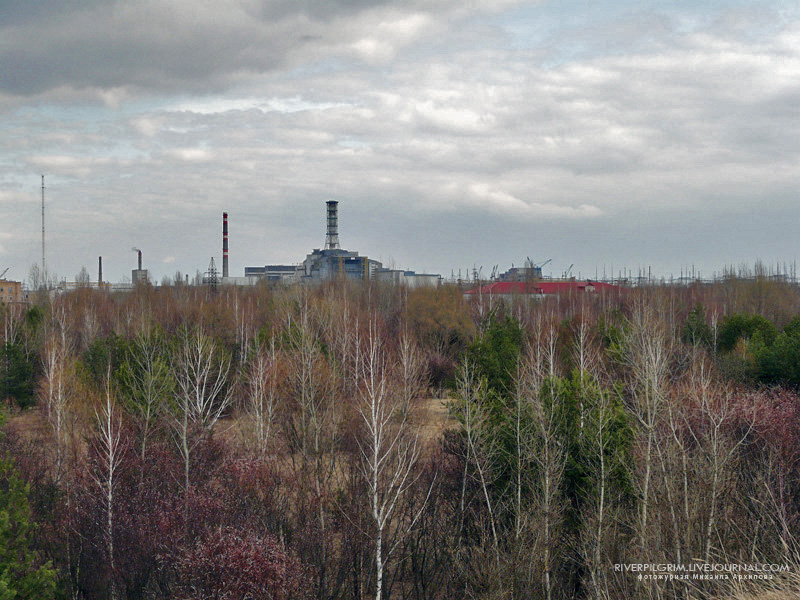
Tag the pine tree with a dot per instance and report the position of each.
(22, 576)
(16, 374)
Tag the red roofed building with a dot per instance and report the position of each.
(510, 289)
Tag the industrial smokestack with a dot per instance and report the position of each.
(332, 238)
(224, 244)
(138, 275)
(99, 271)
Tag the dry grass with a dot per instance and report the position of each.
(785, 586)
(29, 425)
(430, 415)
(432, 418)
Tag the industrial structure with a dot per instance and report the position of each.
(139, 275)
(507, 290)
(332, 262)
(528, 272)
(224, 244)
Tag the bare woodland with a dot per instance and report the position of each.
(361, 441)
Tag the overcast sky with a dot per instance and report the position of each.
(603, 134)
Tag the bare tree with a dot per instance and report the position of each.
(262, 374)
(109, 452)
(540, 391)
(312, 422)
(480, 448)
(648, 355)
(526, 549)
(389, 449)
(341, 334)
(57, 363)
(203, 396)
(82, 279)
(12, 322)
(411, 369)
(243, 318)
(148, 377)
(598, 514)
(311, 384)
(587, 361)
(718, 445)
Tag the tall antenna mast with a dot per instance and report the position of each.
(44, 278)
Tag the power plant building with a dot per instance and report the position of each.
(335, 263)
(273, 273)
(408, 278)
(332, 262)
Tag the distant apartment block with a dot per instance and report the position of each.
(11, 291)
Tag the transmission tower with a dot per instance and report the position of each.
(212, 276)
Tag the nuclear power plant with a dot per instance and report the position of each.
(329, 263)
(326, 264)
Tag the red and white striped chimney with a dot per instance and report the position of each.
(224, 244)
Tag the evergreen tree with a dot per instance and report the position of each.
(16, 374)
(745, 327)
(780, 361)
(696, 330)
(495, 354)
(22, 576)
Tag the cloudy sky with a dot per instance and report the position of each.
(454, 134)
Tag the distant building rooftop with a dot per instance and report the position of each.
(540, 288)
(11, 291)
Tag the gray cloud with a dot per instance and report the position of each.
(447, 144)
(199, 46)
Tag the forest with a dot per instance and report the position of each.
(365, 441)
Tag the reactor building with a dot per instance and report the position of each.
(333, 262)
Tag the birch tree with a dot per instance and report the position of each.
(12, 322)
(261, 377)
(56, 388)
(389, 448)
(480, 450)
(203, 394)
(312, 423)
(550, 459)
(147, 376)
(527, 549)
(715, 440)
(648, 355)
(109, 451)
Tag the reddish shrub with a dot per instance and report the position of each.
(230, 564)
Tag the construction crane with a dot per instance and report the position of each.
(540, 265)
(566, 273)
(4, 272)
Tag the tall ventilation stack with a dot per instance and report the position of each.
(332, 238)
(99, 271)
(224, 244)
(44, 271)
(138, 275)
